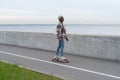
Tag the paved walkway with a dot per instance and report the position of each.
(79, 68)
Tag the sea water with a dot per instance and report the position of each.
(71, 29)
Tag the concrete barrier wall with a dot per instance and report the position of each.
(107, 47)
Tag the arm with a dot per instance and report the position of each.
(65, 35)
(66, 38)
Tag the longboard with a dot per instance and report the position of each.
(61, 61)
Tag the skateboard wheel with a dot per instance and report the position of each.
(63, 62)
(52, 59)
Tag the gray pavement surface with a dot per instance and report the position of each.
(79, 68)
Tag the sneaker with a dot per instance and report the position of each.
(63, 58)
(56, 57)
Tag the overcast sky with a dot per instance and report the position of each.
(47, 11)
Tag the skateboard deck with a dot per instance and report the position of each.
(61, 61)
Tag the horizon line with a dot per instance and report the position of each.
(66, 24)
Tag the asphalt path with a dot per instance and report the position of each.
(79, 68)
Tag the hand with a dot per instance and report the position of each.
(66, 38)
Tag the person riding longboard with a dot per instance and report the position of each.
(61, 35)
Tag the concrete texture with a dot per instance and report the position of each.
(108, 67)
(107, 47)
